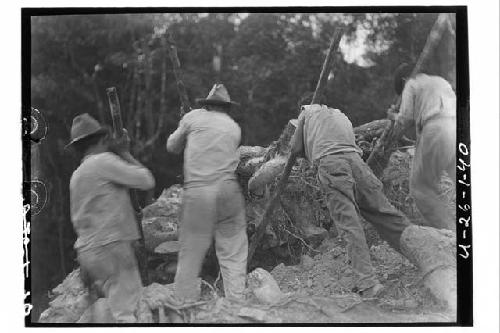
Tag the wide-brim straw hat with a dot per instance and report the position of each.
(217, 96)
(83, 127)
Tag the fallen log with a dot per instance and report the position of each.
(267, 173)
(367, 135)
(433, 251)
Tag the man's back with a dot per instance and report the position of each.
(101, 211)
(210, 152)
(427, 96)
(327, 131)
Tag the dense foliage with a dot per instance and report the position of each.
(267, 62)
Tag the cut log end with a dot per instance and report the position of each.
(433, 251)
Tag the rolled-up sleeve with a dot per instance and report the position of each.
(177, 140)
(406, 112)
(118, 171)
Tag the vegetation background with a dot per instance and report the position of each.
(268, 62)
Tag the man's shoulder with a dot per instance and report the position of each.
(196, 111)
(428, 80)
(99, 161)
(194, 114)
(321, 112)
(104, 157)
(428, 84)
(334, 112)
(74, 178)
(308, 110)
(90, 165)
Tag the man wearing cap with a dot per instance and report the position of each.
(326, 138)
(429, 103)
(103, 216)
(213, 204)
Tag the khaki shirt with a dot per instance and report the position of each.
(101, 210)
(425, 97)
(210, 140)
(325, 131)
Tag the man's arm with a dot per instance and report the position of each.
(127, 171)
(177, 140)
(297, 141)
(406, 111)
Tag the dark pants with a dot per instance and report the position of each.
(353, 190)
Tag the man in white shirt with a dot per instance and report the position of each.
(429, 102)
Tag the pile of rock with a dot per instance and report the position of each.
(161, 219)
(70, 300)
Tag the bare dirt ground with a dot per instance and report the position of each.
(319, 290)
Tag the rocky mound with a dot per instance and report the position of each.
(300, 248)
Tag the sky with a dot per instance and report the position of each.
(354, 51)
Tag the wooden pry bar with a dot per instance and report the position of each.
(266, 217)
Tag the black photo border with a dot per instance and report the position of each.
(464, 227)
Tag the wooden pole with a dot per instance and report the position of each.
(116, 115)
(325, 71)
(379, 158)
(176, 64)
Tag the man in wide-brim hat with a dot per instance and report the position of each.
(84, 128)
(213, 204)
(102, 215)
(218, 96)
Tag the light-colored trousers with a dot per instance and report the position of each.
(212, 211)
(113, 268)
(435, 153)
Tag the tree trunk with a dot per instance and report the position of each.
(139, 107)
(132, 97)
(148, 102)
(98, 100)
